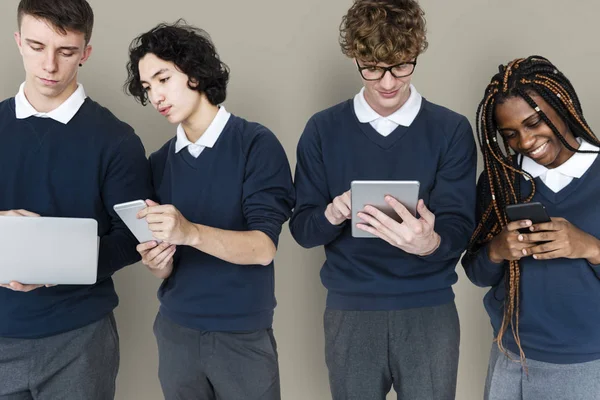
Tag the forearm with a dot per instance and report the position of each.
(453, 240)
(310, 227)
(163, 273)
(481, 270)
(117, 250)
(453, 198)
(236, 247)
(594, 251)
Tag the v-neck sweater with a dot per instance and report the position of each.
(242, 183)
(559, 304)
(438, 150)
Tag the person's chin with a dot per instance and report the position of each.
(548, 161)
(173, 119)
(393, 102)
(50, 91)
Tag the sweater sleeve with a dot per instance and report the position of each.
(478, 267)
(452, 199)
(481, 270)
(127, 178)
(595, 268)
(268, 191)
(308, 225)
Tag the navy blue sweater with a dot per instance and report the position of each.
(79, 170)
(438, 150)
(559, 316)
(243, 183)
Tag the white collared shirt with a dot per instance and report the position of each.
(208, 138)
(63, 113)
(404, 116)
(557, 178)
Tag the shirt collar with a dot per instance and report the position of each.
(209, 137)
(404, 116)
(63, 113)
(574, 167)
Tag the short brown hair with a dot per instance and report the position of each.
(387, 31)
(63, 15)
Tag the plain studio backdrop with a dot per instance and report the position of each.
(286, 65)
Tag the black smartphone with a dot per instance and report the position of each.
(534, 211)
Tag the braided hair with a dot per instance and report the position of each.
(499, 185)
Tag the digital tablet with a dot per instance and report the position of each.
(128, 214)
(48, 250)
(373, 193)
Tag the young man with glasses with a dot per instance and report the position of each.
(390, 317)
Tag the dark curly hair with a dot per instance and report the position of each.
(388, 31)
(192, 52)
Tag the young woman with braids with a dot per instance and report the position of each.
(544, 301)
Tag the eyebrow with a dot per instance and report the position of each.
(160, 71)
(522, 122)
(70, 48)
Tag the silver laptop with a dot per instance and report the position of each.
(46, 250)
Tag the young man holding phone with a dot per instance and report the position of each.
(225, 189)
(390, 317)
(64, 155)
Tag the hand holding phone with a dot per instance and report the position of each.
(506, 245)
(139, 227)
(534, 211)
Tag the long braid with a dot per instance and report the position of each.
(500, 184)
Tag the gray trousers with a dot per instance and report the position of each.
(415, 351)
(216, 365)
(78, 365)
(506, 379)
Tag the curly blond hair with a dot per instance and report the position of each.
(386, 31)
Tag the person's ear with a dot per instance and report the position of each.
(87, 52)
(19, 43)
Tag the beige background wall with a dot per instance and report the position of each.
(286, 65)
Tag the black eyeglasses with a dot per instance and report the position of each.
(375, 73)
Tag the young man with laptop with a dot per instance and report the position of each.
(63, 155)
(390, 318)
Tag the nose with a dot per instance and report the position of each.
(387, 81)
(526, 141)
(156, 97)
(50, 64)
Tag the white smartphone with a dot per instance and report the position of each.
(128, 214)
(373, 193)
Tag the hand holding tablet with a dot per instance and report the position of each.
(389, 212)
(373, 193)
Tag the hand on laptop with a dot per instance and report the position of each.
(16, 286)
(157, 257)
(18, 213)
(19, 287)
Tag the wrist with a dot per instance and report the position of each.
(594, 257)
(193, 238)
(437, 240)
(162, 273)
(492, 256)
(328, 215)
